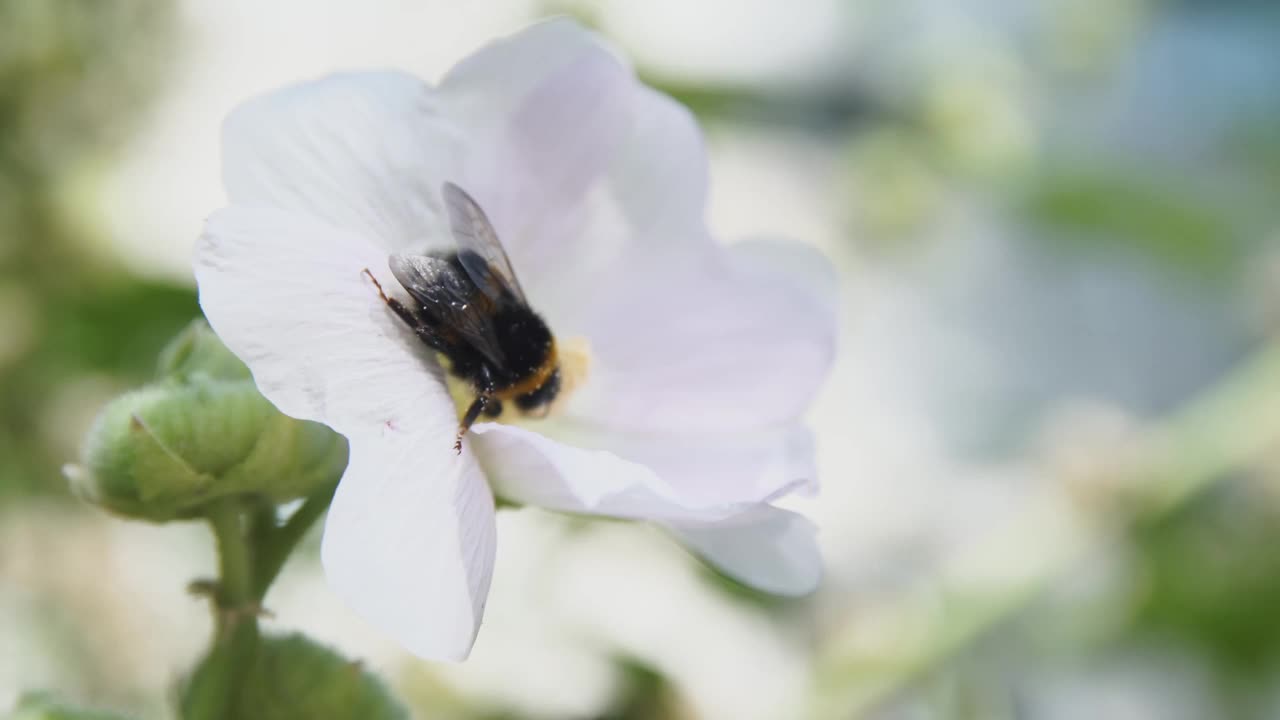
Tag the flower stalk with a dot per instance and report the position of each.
(275, 544)
(214, 689)
(252, 549)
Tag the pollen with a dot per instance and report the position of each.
(575, 367)
(575, 361)
(460, 391)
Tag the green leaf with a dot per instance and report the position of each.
(294, 678)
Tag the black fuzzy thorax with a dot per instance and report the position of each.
(523, 337)
(525, 341)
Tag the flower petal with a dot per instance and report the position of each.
(650, 201)
(767, 548)
(409, 541)
(287, 294)
(656, 478)
(730, 525)
(365, 152)
(573, 109)
(500, 74)
(728, 341)
(545, 110)
(659, 178)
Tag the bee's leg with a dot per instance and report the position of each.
(472, 414)
(396, 306)
(494, 408)
(484, 398)
(420, 328)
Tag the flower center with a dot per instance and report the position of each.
(574, 366)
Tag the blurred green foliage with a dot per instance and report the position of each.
(644, 694)
(43, 706)
(75, 78)
(1210, 582)
(1145, 215)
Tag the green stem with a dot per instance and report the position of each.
(251, 552)
(235, 558)
(214, 689)
(276, 544)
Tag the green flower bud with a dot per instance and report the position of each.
(201, 433)
(198, 351)
(42, 706)
(293, 678)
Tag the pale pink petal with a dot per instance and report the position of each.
(659, 178)
(287, 294)
(649, 203)
(558, 95)
(767, 548)
(500, 74)
(729, 524)
(365, 152)
(409, 541)
(656, 478)
(545, 111)
(727, 341)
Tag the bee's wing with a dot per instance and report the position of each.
(487, 262)
(452, 298)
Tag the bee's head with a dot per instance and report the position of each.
(537, 402)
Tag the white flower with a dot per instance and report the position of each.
(702, 357)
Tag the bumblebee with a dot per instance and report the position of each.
(468, 307)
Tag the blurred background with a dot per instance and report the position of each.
(1049, 448)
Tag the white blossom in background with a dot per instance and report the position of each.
(702, 357)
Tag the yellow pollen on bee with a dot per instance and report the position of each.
(574, 355)
(575, 367)
(460, 391)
